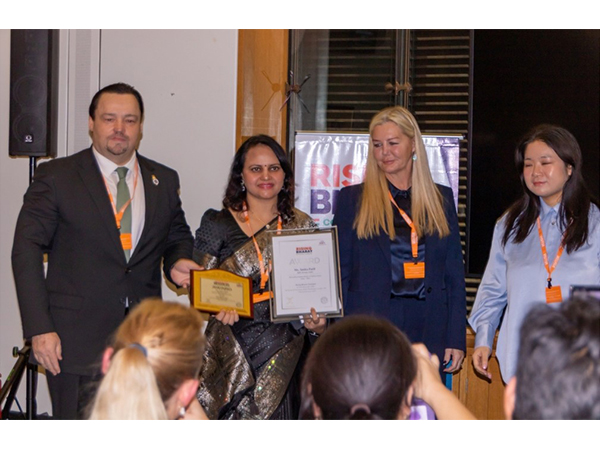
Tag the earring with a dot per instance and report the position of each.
(243, 185)
(414, 156)
(182, 412)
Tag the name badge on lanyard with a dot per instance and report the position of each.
(264, 270)
(553, 293)
(414, 269)
(126, 240)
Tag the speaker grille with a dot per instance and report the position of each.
(33, 80)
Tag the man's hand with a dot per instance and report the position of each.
(48, 351)
(180, 272)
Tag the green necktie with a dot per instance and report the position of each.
(122, 198)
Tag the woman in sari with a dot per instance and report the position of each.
(252, 365)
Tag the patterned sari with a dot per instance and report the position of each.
(251, 368)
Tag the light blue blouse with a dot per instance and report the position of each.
(515, 278)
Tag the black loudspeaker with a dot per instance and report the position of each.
(33, 92)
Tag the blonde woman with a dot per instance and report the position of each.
(151, 370)
(400, 248)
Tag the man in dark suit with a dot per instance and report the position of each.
(103, 257)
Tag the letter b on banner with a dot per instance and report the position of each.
(322, 201)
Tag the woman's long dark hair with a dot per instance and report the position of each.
(360, 368)
(576, 199)
(235, 196)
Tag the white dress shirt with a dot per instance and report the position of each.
(138, 203)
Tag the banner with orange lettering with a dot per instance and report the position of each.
(324, 163)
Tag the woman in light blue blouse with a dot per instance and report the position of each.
(527, 264)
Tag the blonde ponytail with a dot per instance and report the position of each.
(158, 347)
(129, 390)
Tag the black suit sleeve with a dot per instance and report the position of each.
(179, 240)
(34, 232)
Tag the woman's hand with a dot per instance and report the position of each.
(314, 323)
(428, 387)
(481, 355)
(227, 317)
(428, 373)
(457, 357)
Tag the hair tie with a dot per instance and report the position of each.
(140, 347)
(358, 407)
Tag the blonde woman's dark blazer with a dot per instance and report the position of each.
(367, 274)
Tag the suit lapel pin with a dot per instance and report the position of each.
(154, 180)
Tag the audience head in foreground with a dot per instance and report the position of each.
(558, 368)
(365, 368)
(151, 370)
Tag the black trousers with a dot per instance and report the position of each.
(71, 395)
(410, 316)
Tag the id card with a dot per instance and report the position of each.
(414, 270)
(553, 295)
(126, 241)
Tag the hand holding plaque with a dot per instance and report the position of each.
(214, 290)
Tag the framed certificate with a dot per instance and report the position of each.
(305, 274)
(217, 289)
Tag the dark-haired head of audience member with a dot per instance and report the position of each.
(360, 368)
(558, 368)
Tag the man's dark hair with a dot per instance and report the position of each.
(117, 88)
(558, 370)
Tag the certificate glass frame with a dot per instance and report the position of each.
(305, 273)
(216, 289)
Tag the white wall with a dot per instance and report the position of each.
(188, 81)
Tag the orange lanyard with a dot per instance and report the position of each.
(264, 272)
(414, 238)
(545, 254)
(119, 214)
